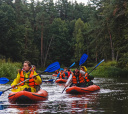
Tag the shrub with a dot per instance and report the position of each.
(9, 69)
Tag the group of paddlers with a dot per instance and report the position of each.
(80, 78)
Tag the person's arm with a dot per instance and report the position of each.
(58, 75)
(16, 80)
(37, 79)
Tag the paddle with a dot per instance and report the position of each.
(68, 68)
(50, 80)
(88, 73)
(54, 66)
(4, 80)
(96, 66)
(72, 65)
(82, 60)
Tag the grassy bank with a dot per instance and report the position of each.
(9, 69)
(109, 69)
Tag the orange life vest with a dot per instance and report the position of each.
(62, 76)
(31, 81)
(56, 72)
(86, 78)
(81, 79)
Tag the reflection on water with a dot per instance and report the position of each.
(112, 98)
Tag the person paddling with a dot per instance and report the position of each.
(87, 77)
(83, 70)
(77, 79)
(66, 72)
(81, 81)
(61, 74)
(25, 73)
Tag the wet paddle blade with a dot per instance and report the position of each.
(54, 66)
(72, 65)
(4, 80)
(1, 93)
(83, 59)
(50, 80)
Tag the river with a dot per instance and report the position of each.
(112, 98)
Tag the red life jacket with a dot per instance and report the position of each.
(56, 72)
(86, 78)
(62, 76)
(31, 81)
(81, 79)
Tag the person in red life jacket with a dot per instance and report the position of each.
(56, 72)
(66, 72)
(77, 79)
(87, 77)
(69, 72)
(25, 73)
(61, 74)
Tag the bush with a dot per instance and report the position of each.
(9, 69)
(110, 69)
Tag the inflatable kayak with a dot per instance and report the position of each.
(54, 74)
(80, 90)
(61, 81)
(25, 97)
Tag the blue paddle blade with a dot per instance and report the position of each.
(51, 80)
(83, 59)
(4, 80)
(52, 67)
(1, 93)
(99, 63)
(72, 65)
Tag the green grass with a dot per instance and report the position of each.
(109, 69)
(9, 69)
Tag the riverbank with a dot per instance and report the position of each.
(9, 69)
(109, 69)
(106, 69)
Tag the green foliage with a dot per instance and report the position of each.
(68, 30)
(78, 39)
(110, 69)
(9, 69)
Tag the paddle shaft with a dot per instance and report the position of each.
(21, 82)
(82, 60)
(96, 66)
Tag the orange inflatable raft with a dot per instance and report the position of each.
(61, 81)
(25, 97)
(80, 90)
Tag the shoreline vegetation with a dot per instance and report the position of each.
(9, 69)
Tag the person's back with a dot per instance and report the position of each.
(78, 79)
(61, 74)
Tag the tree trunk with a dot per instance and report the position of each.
(42, 45)
(47, 51)
(111, 43)
(117, 56)
(96, 51)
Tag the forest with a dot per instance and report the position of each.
(45, 31)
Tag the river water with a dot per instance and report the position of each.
(112, 98)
